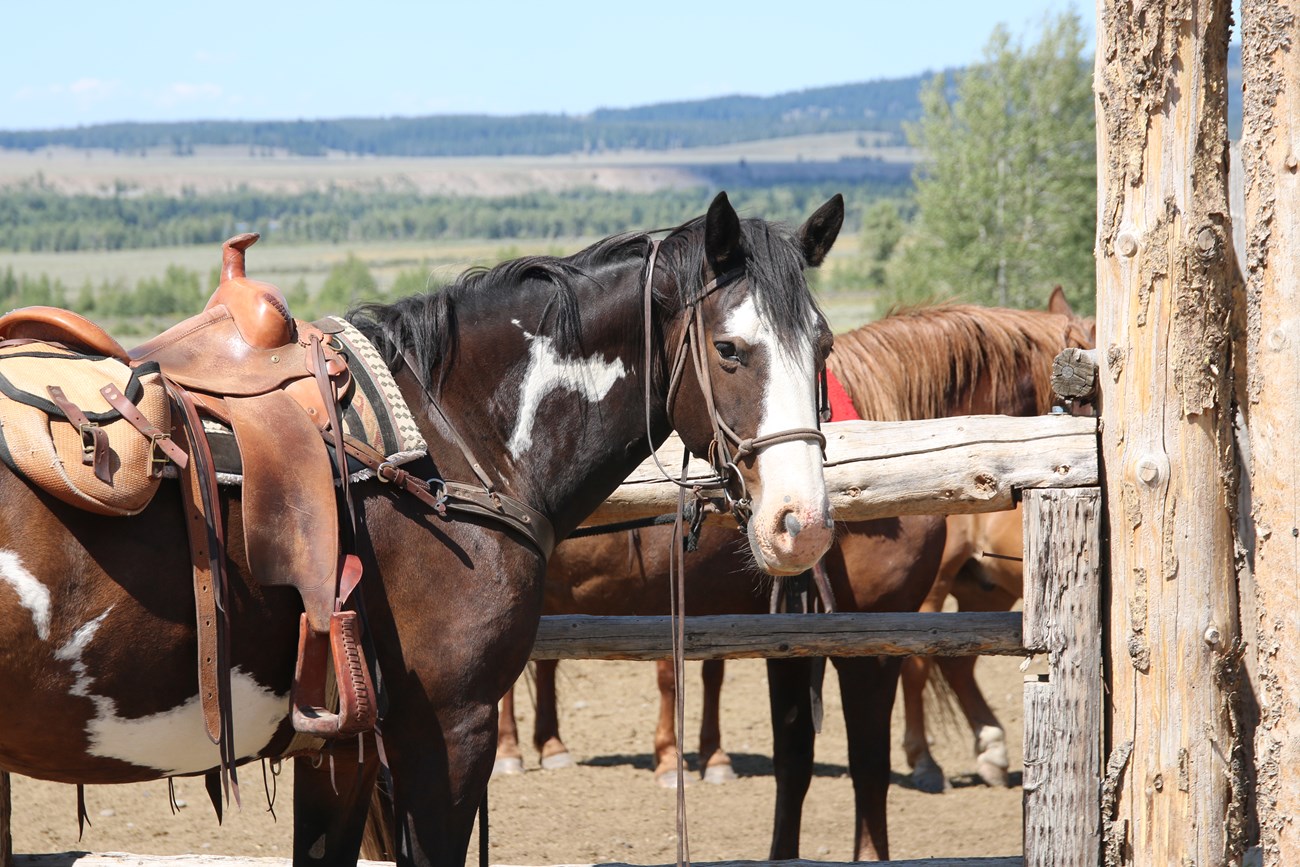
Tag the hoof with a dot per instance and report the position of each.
(558, 761)
(928, 777)
(668, 779)
(718, 774)
(991, 762)
(994, 775)
(508, 767)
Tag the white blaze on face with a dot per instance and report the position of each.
(790, 473)
(32, 594)
(592, 378)
(174, 741)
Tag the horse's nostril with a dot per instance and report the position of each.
(792, 525)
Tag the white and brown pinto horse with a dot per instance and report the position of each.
(926, 362)
(539, 364)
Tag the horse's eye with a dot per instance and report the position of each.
(727, 350)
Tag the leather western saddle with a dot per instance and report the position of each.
(276, 382)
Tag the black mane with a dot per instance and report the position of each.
(424, 326)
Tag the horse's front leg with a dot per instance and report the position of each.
(331, 797)
(715, 764)
(789, 688)
(441, 763)
(868, 686)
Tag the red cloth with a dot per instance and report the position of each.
(841, 407)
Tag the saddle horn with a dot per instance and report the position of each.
(259, 309)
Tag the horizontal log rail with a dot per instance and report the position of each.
(118, 859)
(932, 467)
(996, 861)
(773, 636)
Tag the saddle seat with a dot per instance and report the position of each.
(55, 325)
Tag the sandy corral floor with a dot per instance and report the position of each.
(607, 808)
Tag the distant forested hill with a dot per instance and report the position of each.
(872, 106)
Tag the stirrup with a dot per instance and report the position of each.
(357, 710)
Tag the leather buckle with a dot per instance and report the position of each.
(379, 471)
(157, 458)
(440, 498)
(87, 431)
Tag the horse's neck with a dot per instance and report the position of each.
(559, 429)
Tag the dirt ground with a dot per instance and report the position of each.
(607, 808)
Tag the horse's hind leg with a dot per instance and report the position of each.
(868, 686)
(789, 689)
(327, 827)
(510, 759)
(666, 744)
(927, 776)
(546, 726)
(991, 760)
(715, 764)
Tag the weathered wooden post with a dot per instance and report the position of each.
(1063, 710)
(1171, 794)
(1270, 152)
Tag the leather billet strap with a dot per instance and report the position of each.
(94, 439)
(443, 496)
(162, 440)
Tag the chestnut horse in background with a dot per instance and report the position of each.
(927, 362)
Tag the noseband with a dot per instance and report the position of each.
(727, 448)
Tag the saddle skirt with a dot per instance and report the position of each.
(59, 428)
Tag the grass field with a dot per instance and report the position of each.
(223, 169)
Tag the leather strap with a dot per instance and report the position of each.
(443, 495)
(161, 440)
(207, 554)
(94, 439)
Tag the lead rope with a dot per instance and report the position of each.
(677, 603)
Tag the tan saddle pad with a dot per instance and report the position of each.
(66, 456)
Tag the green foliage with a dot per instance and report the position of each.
(1006, 196)
(410, 281)
(348, 282)
(34, 218)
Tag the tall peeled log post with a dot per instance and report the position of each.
(1271, 158)
(1173, 790)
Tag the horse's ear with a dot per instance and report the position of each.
(722, 236)
(818, 234)
(1058, 304)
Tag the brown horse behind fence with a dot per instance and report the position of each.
(925, 362)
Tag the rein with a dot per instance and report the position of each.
(727, 447)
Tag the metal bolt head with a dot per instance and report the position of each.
(1126, 245)
(1207, 240)
(1291, 163)
(1212, 636)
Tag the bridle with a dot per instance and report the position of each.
(726, 448)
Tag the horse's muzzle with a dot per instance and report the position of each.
(793, 539)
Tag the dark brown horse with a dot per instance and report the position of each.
(540, 364)
(922, 363)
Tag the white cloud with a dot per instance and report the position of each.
(183, 92)
(84, 90)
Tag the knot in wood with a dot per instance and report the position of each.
(1126, 245)
(986, 484)
(1291, 163)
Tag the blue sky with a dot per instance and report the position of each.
(67, 64)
